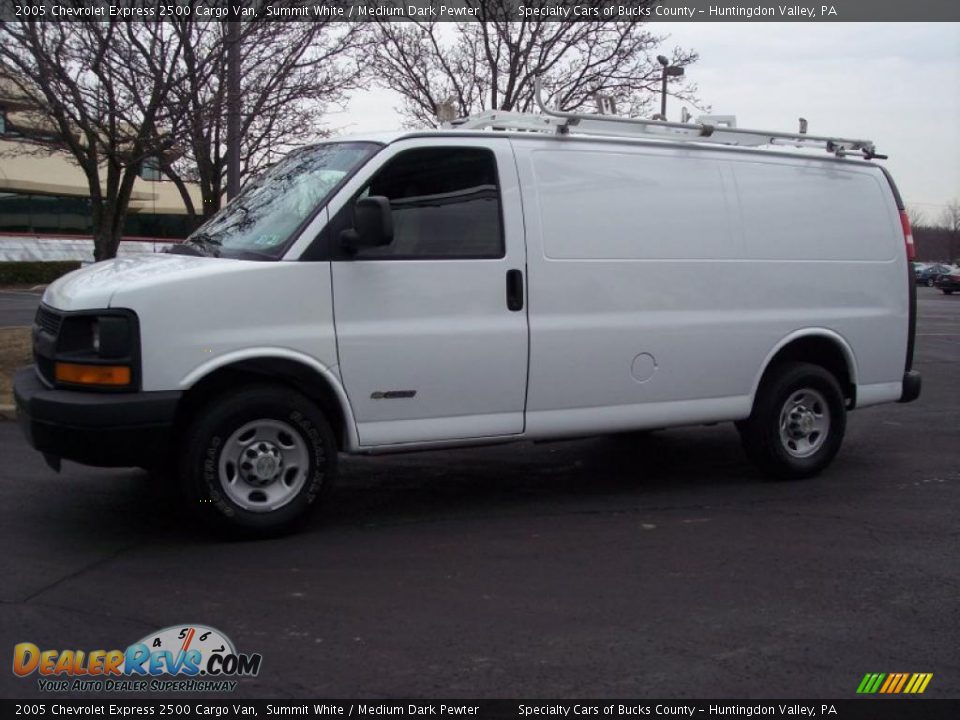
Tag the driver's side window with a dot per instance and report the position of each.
(445, 203)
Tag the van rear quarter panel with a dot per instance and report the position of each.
(706, 261)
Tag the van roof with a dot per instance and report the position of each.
(709, 131)
(389, 137)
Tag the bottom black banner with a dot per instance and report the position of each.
(847, 709)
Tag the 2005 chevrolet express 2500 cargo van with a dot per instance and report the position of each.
(471, 285)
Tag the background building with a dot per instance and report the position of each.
(45, 201)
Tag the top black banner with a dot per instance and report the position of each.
(483, 10)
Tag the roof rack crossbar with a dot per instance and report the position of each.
(560, 122)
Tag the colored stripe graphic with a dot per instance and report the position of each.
(903, 680)
(894, 683)
(918, 683)
(870, 683)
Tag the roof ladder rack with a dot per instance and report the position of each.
(562, 123)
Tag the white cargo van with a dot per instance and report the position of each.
(483, 284)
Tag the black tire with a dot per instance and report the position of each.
(947, 292)
(300, 428)
(761, 435)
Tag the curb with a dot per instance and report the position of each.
(8, 412)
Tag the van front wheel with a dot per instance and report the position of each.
(256, 460)
(798, 421)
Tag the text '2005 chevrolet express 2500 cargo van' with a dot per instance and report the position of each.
(511, 277)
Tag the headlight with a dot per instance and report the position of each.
(106, 336)
(97, 350)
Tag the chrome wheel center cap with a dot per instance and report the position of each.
(802, 423)
(263, 464)
(266, 467)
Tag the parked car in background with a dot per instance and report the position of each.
(949, 282)
(928, 274)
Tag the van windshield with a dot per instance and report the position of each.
(261, 221)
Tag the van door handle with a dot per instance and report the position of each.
(514, 290)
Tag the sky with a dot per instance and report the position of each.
(897, 84)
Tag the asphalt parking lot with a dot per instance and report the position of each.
(17, 307)
(618, 566)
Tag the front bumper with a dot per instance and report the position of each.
(101, 429)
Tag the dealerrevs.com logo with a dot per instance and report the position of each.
(186, 658)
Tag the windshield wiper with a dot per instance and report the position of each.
(198, 244)
(206, 242)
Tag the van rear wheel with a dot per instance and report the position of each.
(798, 421)
(255, 461)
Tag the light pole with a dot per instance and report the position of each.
(233, 103)
(668, 71)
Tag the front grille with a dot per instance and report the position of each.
(48, 321)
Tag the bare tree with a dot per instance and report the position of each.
(950, 219)
(103, 88)
(290, 75)
(492, 64)
(917, 216)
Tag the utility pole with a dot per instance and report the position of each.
(668, 71)
(233, 103)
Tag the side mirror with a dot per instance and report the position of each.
(372, 224)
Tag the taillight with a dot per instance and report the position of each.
(907, 235)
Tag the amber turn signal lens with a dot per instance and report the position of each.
(114, 375)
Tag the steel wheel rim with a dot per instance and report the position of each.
(804, 422)
(263, 465)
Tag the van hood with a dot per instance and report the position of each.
(94, 286)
